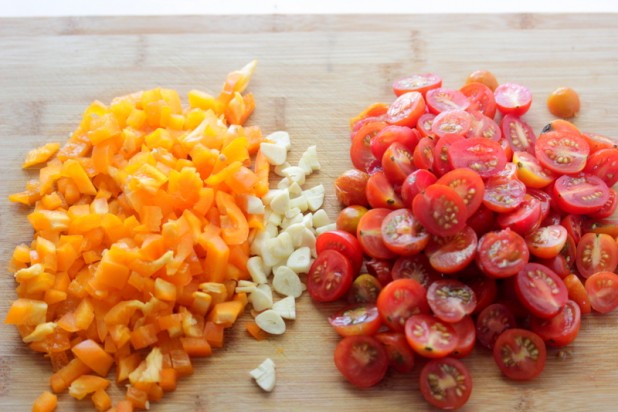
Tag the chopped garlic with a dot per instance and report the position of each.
(264, 375)
(271, 322)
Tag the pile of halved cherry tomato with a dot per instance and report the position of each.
(462, 226)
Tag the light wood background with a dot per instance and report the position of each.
(314, 73)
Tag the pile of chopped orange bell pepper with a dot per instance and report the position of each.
(140, 235)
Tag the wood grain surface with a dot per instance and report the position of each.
(314, 73)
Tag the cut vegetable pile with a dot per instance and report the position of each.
(154, 226)
(472, 229)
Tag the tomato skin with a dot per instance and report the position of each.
(577, 293)
(540, 290)
(468, 184)
(397, 163)
(502, 253)
(482, 221)
(415, 267)
(596, 252)
(362, 360)
(546, 242)
(381, 193)
(603, 163)
(481, 98)
(451, 300)
(562, 152)
(513, 98)
(560, 330)
(451, 122)
(403, 234)
(369, 234)
(423, 155)
(453, 394)
(598, 141)
(329, 277)
(425, 123)
(563, 102)
(348, 218)
(391, 134)
(491, 322)
(483, 126)
(452, 253)
(360, 149)
(518, 133)
(359, 319)
(441, 164)
(483, 76)
(343, 242)
(429, 336)
(418, 82)
(525, 218)
(485, 289)
(431, 206)
(350, 188)
(442, 99)
(380, 269)
(399, 300)
(608, 208)
(530, 171)
(602, 289)
(374, 111)
(406, 109)
(416, 182)
(520, 354)
(400, 355)
(365, 289)
(484, 156)
(466, 337)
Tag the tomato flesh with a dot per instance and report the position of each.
(451, 254)
(468, 184)
(400, 355)
(369, 234)
(343, 242)
(446, 383)
(540, 290)
(502, 253)
(491, 322)
(329, 277)
(596, 252)
(562, 152)
(483, 156)
(362, 360)
(520, 354)
(513, 98)
(440, 210)
(399, 300)
(403, 234)
(361, 319)
(560, 330)
(451, 300)
(602, 289)
(429, 336)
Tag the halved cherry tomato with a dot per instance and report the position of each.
(445, 383)
(397, 163)
(609, 226)
(406, 109)
(381, 193)
(466, 337)
(360, 150)
(365, 289)
(451, 122)
(482, 221)
(483, 76)
(530, 171)
(424, 124)
(343, 242)
(380, 269)
(603, 163)
(400, 355)
(562, 152)
(429, 336)
(399, 300)
(484, 156)
(329, 277)
(558, 264)
(509, 171)
(546, 242)
(423, 155)
(362, 360)
(441, 164)
(544, 199)
(485, 289)
(608, 208)
(525, 218)
(483, 126)
(420, 82)
(348, 218)
(540, 290)
(560, 330)
(573, 224)
(491, 322)
(599, 141)
(415, 267)
(351, 188)
(403, 233)
(602, 288)
(440, 210)
(518, 133)
(503, 194)
(520, 354)
(442, 99)
(481, 98)
(450, 254)
(375, 111)
(468, 184)
(451, 300)
(391, 134)
(577, 293)
(513, 98)
(416, 182)
(502, 254)
(563, 102)
(596, 252)
(369, 234)
(358, 319)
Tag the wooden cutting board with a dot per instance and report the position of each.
(314, 73)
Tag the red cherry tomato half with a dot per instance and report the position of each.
(416, 182)
(530, 171)
(525, 218)
(400, 355)
(351, 188)
(485, 289)
(491, 322)
(397, 163)
(329, 277)
(546, 242)
(596, 252)
(406, 109)
(484, 156)
(360, 150)
(415, 267)
(381, 193)
(503, 194)
(577, 293)
(417, 83)
(399, 300)
(599, 141)
(442, 99)
(603, 163)
(375, 111)
(423, 155)
(520, 354)
(369, 234)
(360, 319)
(424, 124)
(602, 289)
(362, 360)
(451, 122)
(560, 330)
(580, 194)
(518, 133)
(429, 336)
(391, 134)
(468, 184)
(343, 242)
(466, 337)
(562, 152)
(445, 383)
(380, 269)
(440, 210)
(608, 208)
(540, 290)
(483, 126)
(502, 254)
(482, 221)
(451, 300)
(512, 98)
(441, 163)
(450, 254)
(403, 233)
(481, 98)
